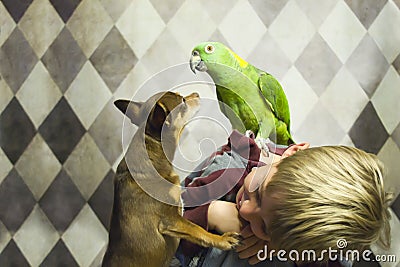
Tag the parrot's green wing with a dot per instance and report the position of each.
(274, 94)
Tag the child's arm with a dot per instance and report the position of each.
(224, 217)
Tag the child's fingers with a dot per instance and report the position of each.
(251, 251)
(246, 231)
(247, 243)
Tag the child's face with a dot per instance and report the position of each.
(253, 205)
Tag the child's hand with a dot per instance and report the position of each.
(223, 217)
(250, 246)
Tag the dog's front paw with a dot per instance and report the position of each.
(230, 240)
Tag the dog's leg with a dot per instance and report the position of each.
(184, 229)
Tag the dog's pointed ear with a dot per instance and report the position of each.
(130, 109)
(158, 117)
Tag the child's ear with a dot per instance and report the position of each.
(294, 148)
(130, 109)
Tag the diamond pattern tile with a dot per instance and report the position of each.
(366, 12)
(17, 10)
(7, 24)
(396, 206)
(63, 63)
(292, 35)
(65, 8)
(85, 237)
(62, 202)
(38, 103)
(166, 10)
(17, 59)
(36, 237)
(16, 130)
(387, 98)
(113, 59)
(325, 62)
(129, 25)
(102, 200)
(59, 256)
(368, 75)
(89, 17)
(87, 178)
(106, 131)
(38, 29)
(38, 175)
(62, 130)
(368, 132)
(87, 87)
(245, 42)
(64, 59)
(342, 40)
(385, 32)
(12, 256)
(16, 201)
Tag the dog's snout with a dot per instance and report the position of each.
(193, 95)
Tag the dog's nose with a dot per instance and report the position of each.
(193, 95)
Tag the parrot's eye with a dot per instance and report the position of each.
(209, 48)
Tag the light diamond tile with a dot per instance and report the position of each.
(99, 258)
(5, 236)
(188, 31)
(389, 155)
(269, 57)
(317, 12)
(36, 237)
(386, 100)
(115, 8)
(292, 30)
(166, 9)
(89, 24)
(218, 9)
(87, 95)
(41, 25)
(235, 28)
(7, 24)
(320, 128)
(135, 78)
(38, 103)
(385, 32)
(6, 94)
(344, 98)
(5, 165)
(86, 166)
(131, 23)
(86, 237)
(301, 98)
(38, 174)
(342, 31)
(346, 141)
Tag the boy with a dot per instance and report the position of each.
(295, 198)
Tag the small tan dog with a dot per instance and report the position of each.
(145, 232)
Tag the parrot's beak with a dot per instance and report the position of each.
(196, 63)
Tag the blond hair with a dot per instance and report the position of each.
(326, 194)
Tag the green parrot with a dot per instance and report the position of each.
(252, 99)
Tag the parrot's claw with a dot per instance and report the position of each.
(249, 133)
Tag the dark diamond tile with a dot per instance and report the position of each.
(366, 11)
(267, 10)
(17, 59)
(59, 256)
(368, 132)
(323, 67)
(64, 59)
(113, 59)
(396, 206)
(166, 9)
(396, 63)
(16, 8)
(62, 130)
(368, 65)
(107, 131)
(396, 135)
(62, 201)
(16, 130)
(12, 256)
(65, 8)
(103, 198)
(16, 201)
(397, 2)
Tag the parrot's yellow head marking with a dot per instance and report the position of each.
(241, 61)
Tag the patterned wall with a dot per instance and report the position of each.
(62, 63)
